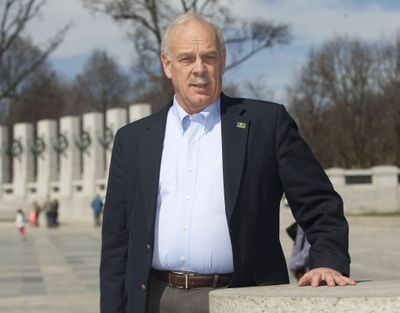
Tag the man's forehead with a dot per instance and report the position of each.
(195, 32)
(195, 44)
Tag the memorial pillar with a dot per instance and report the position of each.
(23, 158)
(93, 154)
(46, 156)
(70, 167)
(116, 118)
(4, 158)
(138, 111)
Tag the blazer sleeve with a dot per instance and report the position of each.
(114, 237)
(314, 203)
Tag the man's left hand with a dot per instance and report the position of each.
(331, 277)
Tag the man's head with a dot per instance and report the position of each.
(193, 57)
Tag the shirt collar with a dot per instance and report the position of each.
(211, 115)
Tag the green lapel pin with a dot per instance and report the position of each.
(241, 125)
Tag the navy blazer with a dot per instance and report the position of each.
(263, 156)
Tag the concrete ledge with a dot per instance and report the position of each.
(365, 297)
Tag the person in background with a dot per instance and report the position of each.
(300, 258)
(36, 209)
(20, 222)
(97, 207)
(47, 210)
(54, 213)
(32, 217)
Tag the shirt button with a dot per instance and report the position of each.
(143, 286)
(187, 198)
(182, 258)
(148, 247)
(191, 169)
(184, 228)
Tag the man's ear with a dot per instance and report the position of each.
(166, 63)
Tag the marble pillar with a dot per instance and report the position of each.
(93, 155)
(138, 111)
(116, 118)
(46, 159)
(4, 158)
(69, 154)
(23, 159)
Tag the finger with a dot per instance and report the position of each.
(330, 281)
(343, 280)
(350, 281)
(305, 280)
(316, 279)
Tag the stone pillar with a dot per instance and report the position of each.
(4, 158)
(69, 154)
(138, 111)
(385, 182)
(47, 159)
(116, 118)
(23, 160)
(93, 156)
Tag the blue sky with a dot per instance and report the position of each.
(312, 22)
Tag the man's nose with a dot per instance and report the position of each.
(199, 67)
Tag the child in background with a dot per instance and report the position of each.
(20, 223)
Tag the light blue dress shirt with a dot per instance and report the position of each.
(191, 232)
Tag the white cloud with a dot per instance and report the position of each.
(88, 31)
(312, 22)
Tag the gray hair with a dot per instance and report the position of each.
(183, 19)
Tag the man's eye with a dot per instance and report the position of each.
(210, 58)
(186, 59)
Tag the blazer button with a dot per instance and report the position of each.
(148, 247)
(143, 286)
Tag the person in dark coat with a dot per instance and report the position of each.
(193, 192)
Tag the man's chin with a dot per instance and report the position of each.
(201, 100)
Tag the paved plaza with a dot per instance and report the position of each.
(56, 270)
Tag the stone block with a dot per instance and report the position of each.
(365, 297)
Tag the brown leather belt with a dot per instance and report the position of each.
(187, 280)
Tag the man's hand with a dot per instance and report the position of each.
(324, 274)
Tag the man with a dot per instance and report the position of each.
(194, 190)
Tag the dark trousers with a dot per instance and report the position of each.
(166, 299)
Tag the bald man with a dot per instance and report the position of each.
(194, 191)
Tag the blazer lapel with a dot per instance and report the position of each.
(234, 130)
(150, 151)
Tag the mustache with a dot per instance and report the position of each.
(199, 80)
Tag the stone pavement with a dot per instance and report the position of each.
(53, 270)
(56, 270)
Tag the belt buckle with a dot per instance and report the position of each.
(186, 275)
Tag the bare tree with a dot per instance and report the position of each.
(149, 18)
(334, 100)
(39, 95)
(102, 84)
(14, 69)
(387, 140)
(43, 95)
